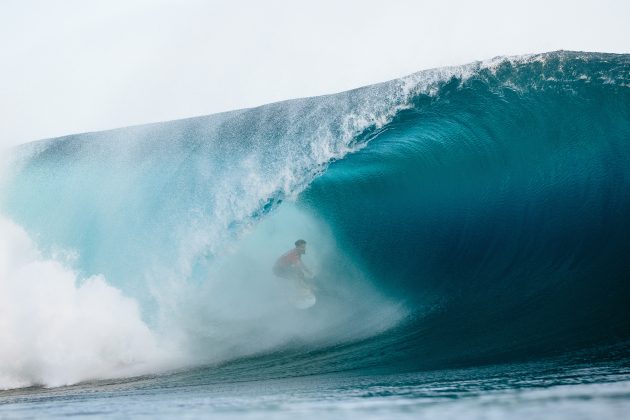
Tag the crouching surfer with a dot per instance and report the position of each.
(290, 266)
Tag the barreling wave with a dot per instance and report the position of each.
(472, 214)
(507, 196)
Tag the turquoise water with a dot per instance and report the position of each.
(468, 227)
(555, 388)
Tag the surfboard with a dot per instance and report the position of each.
(304, 297)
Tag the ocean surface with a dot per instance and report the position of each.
(468, 226)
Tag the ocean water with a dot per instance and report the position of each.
(560, 388)
(467, 226)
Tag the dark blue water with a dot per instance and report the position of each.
(468, 226)
(508, 195)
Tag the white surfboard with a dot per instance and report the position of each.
(304, 297)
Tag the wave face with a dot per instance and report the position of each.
(464, 215)
(506, 196)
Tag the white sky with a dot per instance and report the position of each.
(70, 66)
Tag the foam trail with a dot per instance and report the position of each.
(58, 329)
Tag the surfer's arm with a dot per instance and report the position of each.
(304, 268)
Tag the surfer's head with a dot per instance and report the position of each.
(301, 245)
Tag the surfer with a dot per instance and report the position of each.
(290, 265)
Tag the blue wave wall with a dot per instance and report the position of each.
(507, 195)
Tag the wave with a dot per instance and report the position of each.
(506, 196)
(462, 215)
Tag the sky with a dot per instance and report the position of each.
(72, 66)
